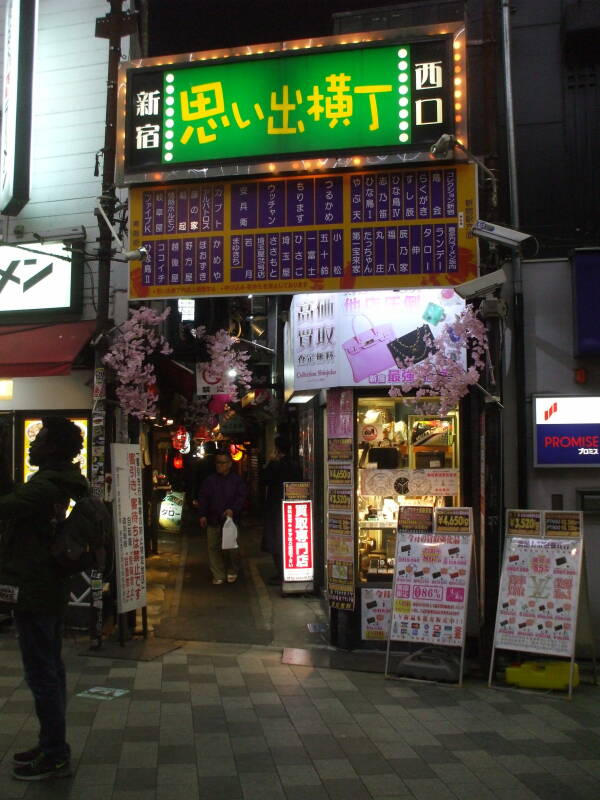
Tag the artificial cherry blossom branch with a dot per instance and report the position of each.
(134, 342)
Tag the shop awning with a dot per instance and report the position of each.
(31, 351)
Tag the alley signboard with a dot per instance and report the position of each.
(332, 232)
(297, 541)
(128, 524)
(539, 586)
(297, 100)
(37, 281)
(567, 431)
(17, 100)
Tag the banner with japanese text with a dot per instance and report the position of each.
(364, 338)
(376, 609)
(340, 544)
(128, 523)
(297, 540)
(291, 102)
(539, 584)
(431, 586)
(328, 233)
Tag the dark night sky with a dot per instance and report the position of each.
(182, 26)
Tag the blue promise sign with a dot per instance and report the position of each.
(567, 431)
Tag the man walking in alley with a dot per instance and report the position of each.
(222, 495)
(37, 592)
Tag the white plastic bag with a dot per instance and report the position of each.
(230, 531)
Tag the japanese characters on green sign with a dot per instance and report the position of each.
(347, 100)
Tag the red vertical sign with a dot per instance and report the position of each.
(297, 540)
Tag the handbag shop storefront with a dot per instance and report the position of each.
(381, 451)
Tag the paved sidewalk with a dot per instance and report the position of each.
(229, 722)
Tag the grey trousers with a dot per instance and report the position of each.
(221, 562)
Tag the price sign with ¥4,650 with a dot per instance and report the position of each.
(453, 520)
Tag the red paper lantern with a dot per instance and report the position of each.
(202, 433)
(178, 438)
(178, 462)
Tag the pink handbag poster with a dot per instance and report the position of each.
(355, 338)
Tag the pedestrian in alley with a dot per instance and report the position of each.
(279, 470)
(222, 494)
(36, 591)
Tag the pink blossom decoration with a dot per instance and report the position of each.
(225, 361)
(134, 342)
(442, 373)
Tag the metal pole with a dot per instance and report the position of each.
(113, 27)
(519, 315)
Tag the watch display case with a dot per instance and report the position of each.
(404, 458)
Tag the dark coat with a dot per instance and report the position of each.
(219, 492)
(26, 515)
(275, 474)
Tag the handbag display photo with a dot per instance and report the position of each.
(368, 352)
(412, 347)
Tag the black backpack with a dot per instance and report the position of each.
(82, 541)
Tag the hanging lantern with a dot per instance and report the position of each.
(178, 462)
(236, 451)
(202, 433)
(178, 438)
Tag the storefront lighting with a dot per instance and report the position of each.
(231, 373)
(302, 397)
(6, 389)
(371, 415)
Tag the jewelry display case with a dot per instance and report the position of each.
(404, 458)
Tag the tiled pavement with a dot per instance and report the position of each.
(229, 722)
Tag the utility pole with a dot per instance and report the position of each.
(113, 27)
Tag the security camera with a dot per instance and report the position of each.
(491, 232)
(60, 235)
(134, 255)
(444, 144)
(481, 287)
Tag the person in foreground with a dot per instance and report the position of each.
(33, 586)
(223, 494)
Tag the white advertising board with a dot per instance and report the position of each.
(128, 526)
(431, 587)
(539, 587)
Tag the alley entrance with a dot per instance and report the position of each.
(183, 603)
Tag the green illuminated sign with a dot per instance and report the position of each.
(287, 105)
(347, 100)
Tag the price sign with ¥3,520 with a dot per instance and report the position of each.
(523, 522)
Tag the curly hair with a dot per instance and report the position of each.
(65, 436)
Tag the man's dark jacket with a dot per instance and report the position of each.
(26, 515)
(220, 492)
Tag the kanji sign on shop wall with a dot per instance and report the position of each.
(325, 232)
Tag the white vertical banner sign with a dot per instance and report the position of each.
(128, 526)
